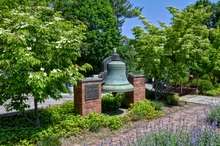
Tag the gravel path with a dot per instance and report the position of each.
(193, 117)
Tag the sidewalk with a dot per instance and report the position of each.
(200, 99)
(47, 103)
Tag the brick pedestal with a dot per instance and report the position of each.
(138, 81)
(87, 96)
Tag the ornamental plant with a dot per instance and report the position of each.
(39, 50)
(143, 110)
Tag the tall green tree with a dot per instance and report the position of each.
(39, 51)
(102, 31)
(214, 19)
(172, 53)
(124, 9)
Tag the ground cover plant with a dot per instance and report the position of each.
(144, 110)
(55, 121)
(62, 121)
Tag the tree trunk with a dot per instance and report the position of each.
(36, 114)
(156, 90)
(181, 89)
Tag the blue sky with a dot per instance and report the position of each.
(155, 11)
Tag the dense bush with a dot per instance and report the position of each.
(172, 99)
(57, 121)
(157, 105)
(203, 85)
(143, 110)
(197, 137)
(111, 103)
(214, 115)
(167, 98)
(214, 91)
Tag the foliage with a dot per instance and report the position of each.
(51, 141)
(123, 9)
(39, 53)
(203, 85)
(172, 99)
(214, 115)
(56, 121)
(215, 91)
(111, 103)
(186, 47)
(102, 33)
(102, 18)
(157, 105)
(213, 21)
(179, 138)
(143, 110)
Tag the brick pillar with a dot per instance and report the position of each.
(87, 96)
(138, 81)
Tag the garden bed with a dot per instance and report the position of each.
(128, 132)
(62, 121)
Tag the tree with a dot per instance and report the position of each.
(172, 53)
(39, 50)
(102, 32)
(123, 9)
(213, 20)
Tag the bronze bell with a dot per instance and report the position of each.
(116, 79)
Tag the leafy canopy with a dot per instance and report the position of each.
(39, 50)
(172, 53)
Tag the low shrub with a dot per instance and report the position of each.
(56, 121)
(172, 99)
(50, 141)
(213, 92)
(214, 115)
(203, 85)
(143, 110)
(157, 105)
(111, 103)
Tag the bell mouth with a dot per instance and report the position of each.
(118, 88)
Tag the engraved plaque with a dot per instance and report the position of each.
(91, 91)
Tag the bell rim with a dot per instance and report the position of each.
(118, 88)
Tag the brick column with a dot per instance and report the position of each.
(138, 81)
(87, 96)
